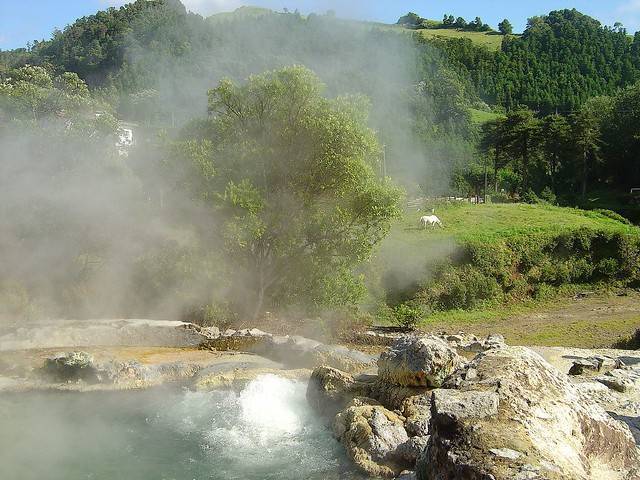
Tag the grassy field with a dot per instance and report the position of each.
(600, 320)
(481, 116)
(491, 40)
(494, 221)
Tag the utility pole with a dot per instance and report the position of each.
(485, 180)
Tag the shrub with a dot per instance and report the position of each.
(501, 197)
(408, 315)
(530, 197)
(533, 266)
(612, 215)
(543, 291)
(630, 343)
(548, 196)
(211, 315)
(463, 287)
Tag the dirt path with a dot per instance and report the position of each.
(595, 321)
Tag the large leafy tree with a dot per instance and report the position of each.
(292, 177)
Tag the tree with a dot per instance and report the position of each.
(476, 24)
(505, 27)
(448, 20)
(555, 135)
(460, 23)
(493, 142)
(292, 179)
(410, 19)
(586, 135)
(521, 131)
(621, 142)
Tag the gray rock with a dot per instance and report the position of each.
(407, 475)
(371, 435)
(418, 362)
(71, 367)
(606, 363)
(343, 358)
(417, 411)
(495, 340)
(75, 334)
(538, 413)
(474, 347)
(621, 380)
(583, 365)
(330, 390)
(506, 453)
(412, 448)
(451, 406)
(300, 352)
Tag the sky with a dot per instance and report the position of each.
(22, 21)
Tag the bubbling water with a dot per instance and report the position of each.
(266, 431)
(270, 404)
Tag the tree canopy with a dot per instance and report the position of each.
(292, 178)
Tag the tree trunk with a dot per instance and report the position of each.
(525, 163)
(260, 294)
(584, 173)
(495, 171)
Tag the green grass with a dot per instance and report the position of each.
(490, 40)
(481, 116)
(241, 12)
(515, 316)
(494, 221)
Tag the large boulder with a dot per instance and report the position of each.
(329, 390)
(418, 362)
(372, 435)
(513, 416)
(71, 367)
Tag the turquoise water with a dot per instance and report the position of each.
(265, 432)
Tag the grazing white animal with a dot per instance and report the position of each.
(430, 221)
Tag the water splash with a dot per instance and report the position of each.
(265, 432)
(270, 404)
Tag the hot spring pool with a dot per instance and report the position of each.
(266, 431)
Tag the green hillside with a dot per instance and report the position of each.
(491, 258)
(490, 40)
(247, 12)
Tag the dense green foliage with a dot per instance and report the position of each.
(561, 60)
(568, 156)
(291, 179)
(518, 268)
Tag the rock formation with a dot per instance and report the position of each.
(504, 415)
(516, 417)
(418, 362)
(371, 435)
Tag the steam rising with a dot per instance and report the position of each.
(267, 431)
(86, 232)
